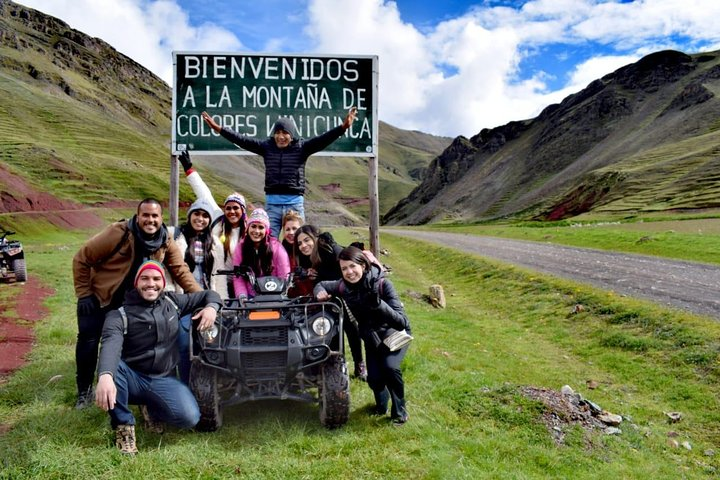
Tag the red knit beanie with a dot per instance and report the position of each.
(150, 265)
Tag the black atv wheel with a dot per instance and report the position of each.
(18, 267)
(334, 393)
(204, 385)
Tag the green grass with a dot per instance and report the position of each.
(503, 328)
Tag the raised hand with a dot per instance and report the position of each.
(185, 160)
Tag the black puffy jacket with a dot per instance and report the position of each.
(284, 167)
(362, 300)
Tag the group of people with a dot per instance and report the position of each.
(138, 283)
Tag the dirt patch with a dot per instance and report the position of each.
(17, 316)
(18, 197)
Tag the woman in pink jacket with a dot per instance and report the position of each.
(261, 252)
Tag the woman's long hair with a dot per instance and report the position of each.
(324, 251)
(305, 261)
(260, 260)
(206, 239)
(226, 235)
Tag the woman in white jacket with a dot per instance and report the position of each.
(228, 223)
(203, 254)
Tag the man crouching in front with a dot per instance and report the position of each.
(139, 353)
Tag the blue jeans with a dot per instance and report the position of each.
(183, 343)
(276, 211)
(168, 400)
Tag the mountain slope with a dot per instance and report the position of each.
(642, 138)
(82, 124)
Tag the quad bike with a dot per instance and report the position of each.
(271, 347)
(12, 257)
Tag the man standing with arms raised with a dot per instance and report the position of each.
(285, 155)
(104, 269)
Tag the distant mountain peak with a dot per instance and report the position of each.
(642, 138)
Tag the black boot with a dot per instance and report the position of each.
(86, 398)
(399, 413)
(381, 402)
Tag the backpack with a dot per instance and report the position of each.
(123, 314)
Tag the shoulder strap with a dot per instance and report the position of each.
(117, 248)
(216, 221)
(175, 305)
(177, 231)
(341, 286)
(124, 318)
(123, 314)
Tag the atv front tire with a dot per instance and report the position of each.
(204, 385)
(334, 393)
(18, 267)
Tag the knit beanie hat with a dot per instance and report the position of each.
(235, 197)
(205, 206)
(259, 215)
(150, 265)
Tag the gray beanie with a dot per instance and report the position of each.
(202, 204)
(287, 124)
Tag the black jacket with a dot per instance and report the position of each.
(284, 167)
(373, 301)
(149, 346)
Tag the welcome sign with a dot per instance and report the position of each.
(249, 92)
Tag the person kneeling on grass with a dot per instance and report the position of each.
(139, 353)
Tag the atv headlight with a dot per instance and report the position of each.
(210, 334)
(321, 325)
(14, 251)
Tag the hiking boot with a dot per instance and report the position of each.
(361, 371)
(125, 439)
(151, 425)
(85, 398)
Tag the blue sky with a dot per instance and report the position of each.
(447, 67)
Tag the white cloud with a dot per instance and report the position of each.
(145, 31)
(455, 77)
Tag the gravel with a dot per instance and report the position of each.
(688, 286)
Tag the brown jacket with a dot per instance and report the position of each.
(96, 274)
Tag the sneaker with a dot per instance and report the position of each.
(401, 420)
(151, 425)
(125, 439)
(85, 398)
(361, 371)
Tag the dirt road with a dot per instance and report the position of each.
(689, 286)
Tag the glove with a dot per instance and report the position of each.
(87, 306)
(185, 160)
